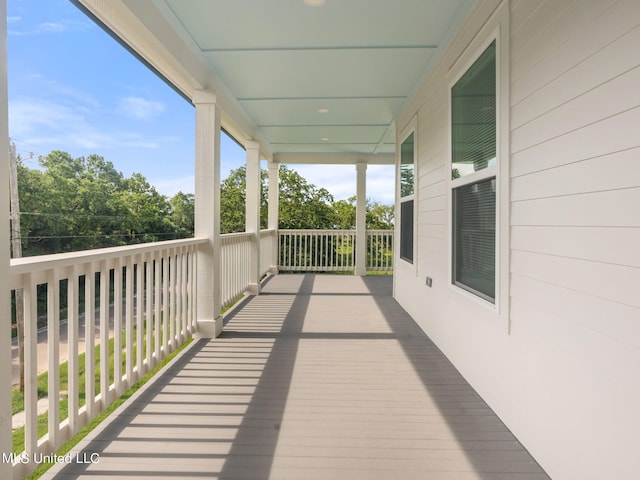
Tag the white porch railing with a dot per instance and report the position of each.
(235, 262)
(234, 265)
(380, 250)
(332, 250)
(145, 292)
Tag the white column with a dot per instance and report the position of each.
(361, 220)
(5, 308)
(252, 217)
(274, 199)
(207, 212)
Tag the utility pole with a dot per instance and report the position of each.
(16, 249)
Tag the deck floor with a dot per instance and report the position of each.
(319, 377)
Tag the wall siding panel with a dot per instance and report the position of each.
(554, 25)
(562, 371)
(618, 170)
(587, 40)
(617, 246)
(588, 209)
(614, 60)
(583, 110)
(613, 134)
(618, 283)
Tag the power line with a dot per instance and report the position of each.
(82, 215)
(47, 237)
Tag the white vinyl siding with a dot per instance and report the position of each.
(575, 216)
(563, 372)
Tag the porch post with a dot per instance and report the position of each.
(252, 210)
(274, 199)
(5, 308)
(207, 212)
(361, 220)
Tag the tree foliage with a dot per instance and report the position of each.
(302, 205)
(81, 203)
(379, 216)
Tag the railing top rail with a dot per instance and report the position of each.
(231, 236)
(311, 231)
(61, 260)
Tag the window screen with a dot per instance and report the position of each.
(474, 207)
(406, 230)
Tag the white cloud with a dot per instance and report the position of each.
(51, 125)
(171, 186)
(139, 108)
(26, 117)
(47, 27)
(340, 180)
(52, 27)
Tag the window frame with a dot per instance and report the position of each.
(494, 171)
(410, 129)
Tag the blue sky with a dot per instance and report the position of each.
(73, 88)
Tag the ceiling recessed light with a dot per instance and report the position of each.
(323, 110)
(314, 3)
(325, 139)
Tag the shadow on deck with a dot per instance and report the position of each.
(319, 377)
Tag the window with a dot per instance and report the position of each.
(406, 199)
(473, 174)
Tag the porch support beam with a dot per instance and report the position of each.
(273, 219)
(361, 220)
(207, 212)
(252, 217)
(5, 335)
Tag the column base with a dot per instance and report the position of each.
(253, 289)
(209, 328)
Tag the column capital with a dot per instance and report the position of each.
(200, 97)
(251, 145)
(361, 166)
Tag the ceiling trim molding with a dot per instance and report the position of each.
(334, 158)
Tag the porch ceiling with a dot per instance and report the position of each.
(300, 79)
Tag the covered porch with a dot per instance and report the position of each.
(320, 376)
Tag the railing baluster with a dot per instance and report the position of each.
(165, 303)
(104, 334)
(30, 364)
(172, 299)
(139, 273)
(129, 320)
(73, 336)
(180, 316)
(89, 342)
(157, 311)
(149, 310)
(192, 297)
(53, 346)
(117, 327)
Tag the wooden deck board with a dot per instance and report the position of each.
(319, 377)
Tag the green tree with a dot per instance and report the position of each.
(82, 203)
(345, 213)
(182, 207)
(302, 204)
(379, 216)
(233, 198)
